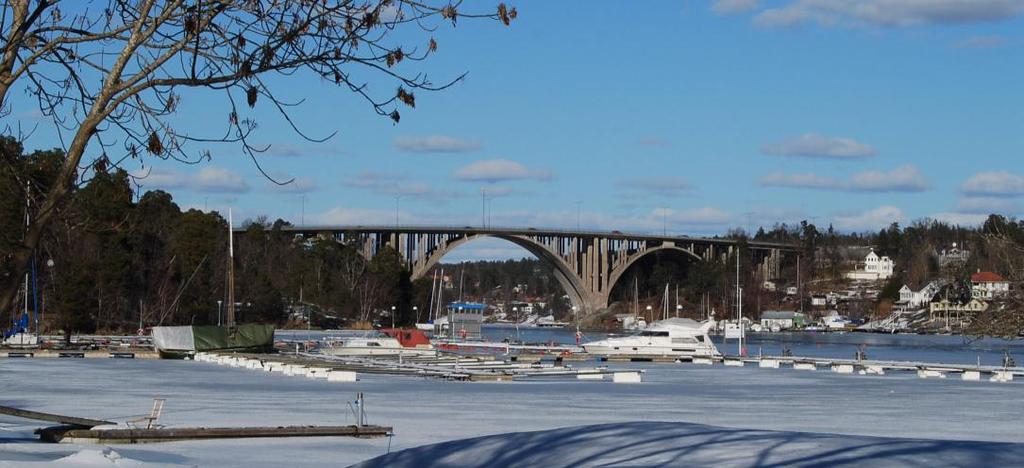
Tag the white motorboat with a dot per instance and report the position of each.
(669, 337)
(375, 345)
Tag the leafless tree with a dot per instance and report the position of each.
(109, 74)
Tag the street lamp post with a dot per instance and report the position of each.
(392, 316)
(650, 313)
(515, 311)
(218, 312)
(678, 309)
(416, 312)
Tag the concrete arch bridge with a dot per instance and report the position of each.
(588, 264)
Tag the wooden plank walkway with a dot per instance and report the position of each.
(50, 417)
(136, 436)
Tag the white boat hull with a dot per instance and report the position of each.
(626, 350)
(670, 337)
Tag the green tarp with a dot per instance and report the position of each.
(185, 340)
(247, 336)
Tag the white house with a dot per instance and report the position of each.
(914, 299)
(819, 300)
(875, 268)
(986, 285)
(782, 320)
(953, 256)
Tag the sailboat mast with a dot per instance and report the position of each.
(440, 296)
(664, 304)
(28, 203)
(231, 271)
(433, 290)
(739, 303)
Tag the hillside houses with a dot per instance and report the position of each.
(986, 286)
(875, 268)
(910, 299)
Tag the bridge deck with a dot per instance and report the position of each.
(528, 231)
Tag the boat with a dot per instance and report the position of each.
(20, 334)
(669, 337)
(184, 341)
(385, 342)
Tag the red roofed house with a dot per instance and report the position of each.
(986, 285)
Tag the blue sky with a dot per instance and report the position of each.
(692, 117)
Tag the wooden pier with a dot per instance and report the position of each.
(66, 434)
(79, 354)
(73, 429)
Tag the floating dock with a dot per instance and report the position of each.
(74, 353)
(479, 368)
(924, 370)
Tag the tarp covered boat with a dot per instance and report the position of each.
(178, 342)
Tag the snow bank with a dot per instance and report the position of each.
(687, 444)
(430, 411)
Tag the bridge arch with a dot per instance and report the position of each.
(566, 277)
(621, 270)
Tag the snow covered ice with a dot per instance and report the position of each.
(427, 411)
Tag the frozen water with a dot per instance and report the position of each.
(427, 411)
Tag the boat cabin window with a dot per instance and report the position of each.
(654, 333)
(685, 339)
(372, 343)
(700, 338)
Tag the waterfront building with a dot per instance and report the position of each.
(875, 268)
(986, 285)
(953, 312)
(782, 320)
(911, 299)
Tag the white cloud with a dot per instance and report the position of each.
(156, 178)
(888, 13)
(219, 180)
(994, 184)
(812, 145)
(902, 179)
(436, 144)
(726, 7)
(981, 42)
(987, 205)
(960, 219)
(364, 217)
(207, 180)
(870, 220)
(663, 186)
(497, 170)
